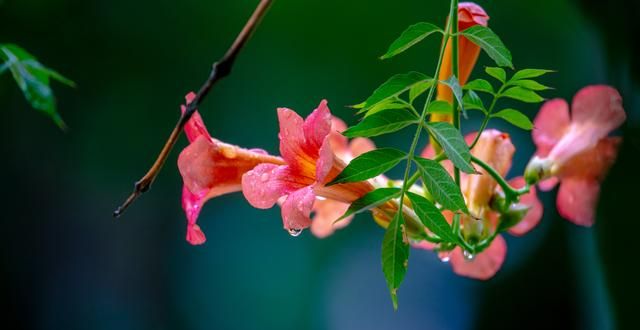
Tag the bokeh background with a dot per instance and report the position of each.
(67, 264)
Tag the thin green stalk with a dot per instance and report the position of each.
(511, 194)
(453, 18)
(487, 117)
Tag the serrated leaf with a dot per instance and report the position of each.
(369, 165)
(522, 94)
(393, 87)
(371, 200)
(411, 36)
(441, 185)
(388, 104)
(490, 43)
(529, 73)
(431, 217)
(479, 85)
(473, 102)
(33, 79)
(514, 117)
(383, 122)
(439, 106)
(497, 73)
(453, 145)
(455, 87)
(395, 256)
(529, 84)
(419, 88)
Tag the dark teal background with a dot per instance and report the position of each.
(67, 264)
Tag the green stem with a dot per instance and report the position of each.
(487, 117)
(511, 194)
(453, 18)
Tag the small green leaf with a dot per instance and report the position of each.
(529, 84)
(515, 117)
(479, 85)
(383, 122)
(419, 88)
(497, 73)
(521, 94)
(33, 79)
(490, 43)
(388, 104)
(453, 145)
(473, 102)
(393, 87)
(529, 73)
(455, 87)
(432, 218)
(395, 256)
(441, 185)
(371, 200)
(439, 106)
(411, 36)
(369, 165)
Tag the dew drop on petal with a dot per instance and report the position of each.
(295, 232)
(444, 256)
(264, 177)
(468, 255)
(229, 152)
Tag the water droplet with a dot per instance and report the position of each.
(264, 177)
(444, 256)
(295, 232)
(468, 255)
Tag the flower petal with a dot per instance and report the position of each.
(577, 200)
(192, 204)
(327, 212)
(550, 124)
(266, 183)
(595, 162)
(599, 106)
(317, 126)
(484, 265)
(534, 214)
(195, 126)
(296, 209)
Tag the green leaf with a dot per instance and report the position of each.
(453, 145)
(411, 36)
(497, 73)
(473, 102)
(371, 200)
(419, 88)
(441, 185)
(479, 85)
(439, 106)
(490, 43)
(521, 94)
(515, 117)
(529, 73)
(388, 104)
(455, 87)
(395, 256)
(383, 122)
(529, 84)
(393, 87)
(33, 79)
(369, 165)
(432, 218)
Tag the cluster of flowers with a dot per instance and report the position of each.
(573, 149)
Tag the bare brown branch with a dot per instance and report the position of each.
(221, 69)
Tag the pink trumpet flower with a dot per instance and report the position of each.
(211, 168)
(494, 148)
(306, 147)
(575, 150)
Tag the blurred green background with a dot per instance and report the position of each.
(67, 264)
